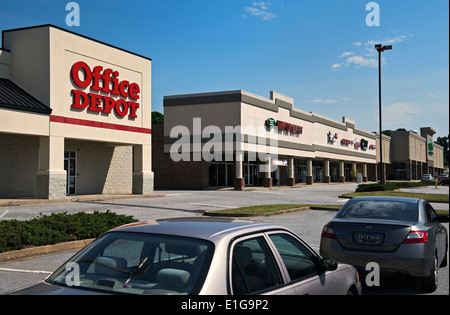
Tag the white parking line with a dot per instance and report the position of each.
(213, 206)
(4, 213)
(25, 271)
(269, 192)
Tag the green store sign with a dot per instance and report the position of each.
(271, 122)
(430, 147)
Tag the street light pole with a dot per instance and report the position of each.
(380, 48)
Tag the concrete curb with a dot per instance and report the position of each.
(251, 215)
(43, 250)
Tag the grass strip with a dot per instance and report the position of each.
(270, 209)
(439, 198)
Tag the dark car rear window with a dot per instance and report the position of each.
(380, 210)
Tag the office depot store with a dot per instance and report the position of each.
(75, 116)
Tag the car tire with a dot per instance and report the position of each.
(430, 283)
(445, 260)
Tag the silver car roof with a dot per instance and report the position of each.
(387, 198)
(197, 227)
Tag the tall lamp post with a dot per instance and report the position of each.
(380, 48)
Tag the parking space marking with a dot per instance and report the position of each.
(3, 214)
(25, 271)
(269, 192)
(213, 206)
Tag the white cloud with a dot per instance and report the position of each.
(365, 54)
(399, 114)
(323, 101)
(260, 9)
(347, 53)
(336, 65)
(360, 61)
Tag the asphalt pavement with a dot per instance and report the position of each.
(166, 204)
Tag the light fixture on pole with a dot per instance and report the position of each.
(380, 48)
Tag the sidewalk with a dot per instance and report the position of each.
(81, 198)
(87, 198)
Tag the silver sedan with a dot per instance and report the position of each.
(203, 256)
(400, 235)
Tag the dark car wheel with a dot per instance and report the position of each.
(430, 283)
(445, 260)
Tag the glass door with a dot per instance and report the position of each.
(70, 166)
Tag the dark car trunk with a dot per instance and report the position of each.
(371, 235)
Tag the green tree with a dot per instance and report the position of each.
(157, 118)
(443, 142)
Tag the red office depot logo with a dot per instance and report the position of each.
(104, 81)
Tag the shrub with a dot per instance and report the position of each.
(57, 228)
(389, 186)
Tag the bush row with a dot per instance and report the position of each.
(57, 228)
(389, 186)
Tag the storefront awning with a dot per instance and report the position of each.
(13, 97)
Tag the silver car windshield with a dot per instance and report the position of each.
(138, 263)
(379, 210)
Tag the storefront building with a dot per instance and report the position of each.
(75, 116)
(239, 139)
(411, 155)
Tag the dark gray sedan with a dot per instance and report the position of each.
(401, 235)
(192, 256)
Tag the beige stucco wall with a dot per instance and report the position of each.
(102, 168)
(67, 49)
(438, 156)
(386, 149)
(407, 146)
(30, 61)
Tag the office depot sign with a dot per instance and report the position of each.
(103, 84)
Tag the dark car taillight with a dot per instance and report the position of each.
(328, 232)
(416, 237)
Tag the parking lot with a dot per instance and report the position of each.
(191, 203)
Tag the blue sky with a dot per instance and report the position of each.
(320, 52)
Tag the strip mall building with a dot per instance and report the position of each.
(75, 119)
(75, 116)
(310, 148)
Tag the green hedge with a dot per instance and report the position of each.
(389, 186)
(57, 228)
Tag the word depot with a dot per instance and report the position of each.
(104, 81)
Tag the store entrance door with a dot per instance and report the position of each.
(70, 166)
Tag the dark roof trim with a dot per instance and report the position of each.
(14, 97)
(70, 32)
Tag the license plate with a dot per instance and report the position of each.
(369, 238)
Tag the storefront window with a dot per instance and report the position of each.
(221, 175)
